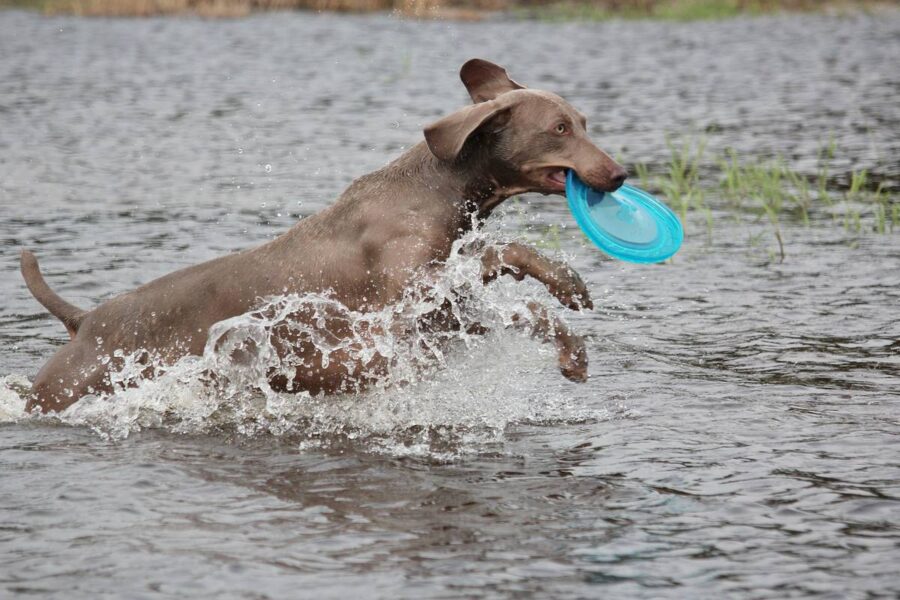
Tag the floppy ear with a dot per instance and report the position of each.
(485, 80)
(446, 137)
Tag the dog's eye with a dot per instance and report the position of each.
(561, 129)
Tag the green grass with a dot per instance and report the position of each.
(671, 10)
(24, 4)
(681, 10)
(770, 191)
(697, 10)
(547, 10)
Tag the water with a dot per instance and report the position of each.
(739, 433)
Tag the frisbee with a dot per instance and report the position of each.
(628, 224)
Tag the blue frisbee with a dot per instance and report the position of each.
(628, 224)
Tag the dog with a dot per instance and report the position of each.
(384, 232)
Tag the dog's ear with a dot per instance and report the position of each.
(485, 80)
(446, 137)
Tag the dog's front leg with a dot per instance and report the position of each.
(519, 260)
(536, 320)
(573, 361)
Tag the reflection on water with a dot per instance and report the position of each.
(738, 436)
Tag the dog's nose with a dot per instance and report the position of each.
(618, 178)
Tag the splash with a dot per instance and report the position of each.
(12, 398)
(437, 390)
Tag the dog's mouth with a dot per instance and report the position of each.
(556, 178)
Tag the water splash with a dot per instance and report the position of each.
(12, 398)
(437, 391)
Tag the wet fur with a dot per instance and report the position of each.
(365, 249)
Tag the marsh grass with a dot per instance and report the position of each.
(545, 10)
(673, 10)
(678, 10)
(449, 9)
(770, 191)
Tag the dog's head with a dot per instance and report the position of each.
(535, 135)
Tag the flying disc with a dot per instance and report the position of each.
(628, 224)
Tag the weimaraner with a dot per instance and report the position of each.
(373, 243)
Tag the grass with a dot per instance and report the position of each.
(547, 10)
(680, 10)
(676, 10)
(239, 8)
(770, 190)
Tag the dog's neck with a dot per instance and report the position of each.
(476, 181)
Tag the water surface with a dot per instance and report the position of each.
(739, 435)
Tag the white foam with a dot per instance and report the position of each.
(442, 392)
(12, 401)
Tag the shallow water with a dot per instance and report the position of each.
(739, 433)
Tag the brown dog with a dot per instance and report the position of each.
(365, 250)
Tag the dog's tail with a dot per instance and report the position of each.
(70, 315)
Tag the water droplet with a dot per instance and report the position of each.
(268, 168)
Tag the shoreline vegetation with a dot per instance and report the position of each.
(543, 10)
(771, 191)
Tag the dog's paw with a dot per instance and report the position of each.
(569, 289)
(573, 360)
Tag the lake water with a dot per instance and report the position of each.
(740, 433)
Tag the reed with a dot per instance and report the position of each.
(548, 10)
(770, 190)
(680, 10)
